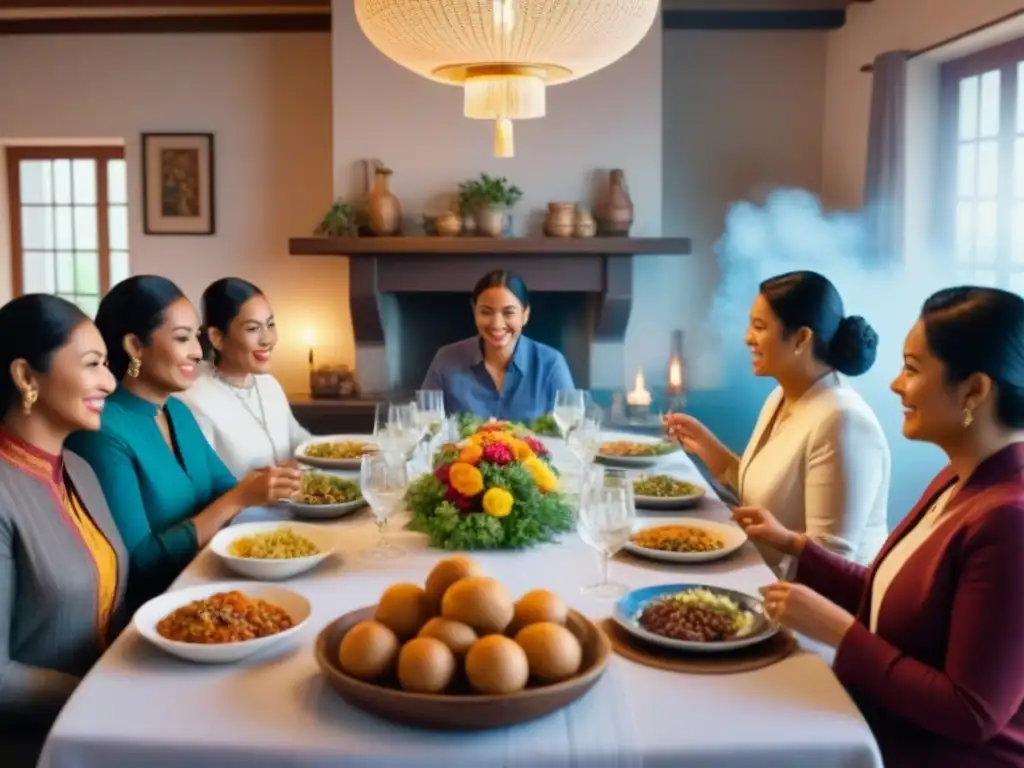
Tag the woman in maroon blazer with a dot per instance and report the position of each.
(930, 638)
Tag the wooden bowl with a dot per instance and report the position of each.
(460, 709)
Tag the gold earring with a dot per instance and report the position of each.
(968, 417)
(28, 400)
(134, 366)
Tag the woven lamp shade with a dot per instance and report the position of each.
(505, 53)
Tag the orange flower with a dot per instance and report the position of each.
(471, 454)
(466, 479)
(521, 450)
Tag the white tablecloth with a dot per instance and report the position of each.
(139, 707)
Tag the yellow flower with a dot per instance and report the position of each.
(497, 502)
(521, 451)
(471, 454)
(466, 479)
(546, 480)
(487, 438)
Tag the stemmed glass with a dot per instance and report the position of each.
(585, 440)
(570, 406)
(397, 430)
(607, 512)
(383, 484)
(430, 409)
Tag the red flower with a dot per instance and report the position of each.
(535, 445)
(497, 453)
(442, 472)
(462, 503)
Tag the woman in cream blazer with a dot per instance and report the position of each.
(817, 458)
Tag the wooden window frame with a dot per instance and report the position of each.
(1005, 58)
(101, 154)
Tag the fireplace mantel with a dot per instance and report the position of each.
(599, 270)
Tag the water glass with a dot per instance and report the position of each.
(607, 513)
(383, 483)
(430, 407)
(570, 406)
(397, 430)
(585, 440)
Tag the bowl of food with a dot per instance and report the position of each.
(666, 492)
(222, 622)
(694, 617)
(685, 540)
(334, 451)
(325, 496)
(634, 453)
(272, 551)
(457, 653)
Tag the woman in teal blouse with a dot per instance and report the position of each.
(168, 491)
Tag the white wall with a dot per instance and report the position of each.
(267, 99)
(873, 28)
(612, 119)
(742, 113)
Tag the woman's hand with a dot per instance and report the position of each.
(763, 526)
(700, 441)
(803, 610)
(269, 485)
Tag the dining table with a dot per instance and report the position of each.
(141, 707)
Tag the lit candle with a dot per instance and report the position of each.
(639, 396)
(310, 339)
(675, 376)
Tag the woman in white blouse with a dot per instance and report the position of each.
(240, 406)
(817, 457)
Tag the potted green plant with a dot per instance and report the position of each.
(339, 221)
(488, 199)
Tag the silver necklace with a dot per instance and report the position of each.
(261, 419)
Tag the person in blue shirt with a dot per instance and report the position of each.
(499, 373)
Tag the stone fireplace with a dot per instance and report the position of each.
(410, 295)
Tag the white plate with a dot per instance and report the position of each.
(635, 462)
(324, 511)
(300, 451)
(671, 502)
(732, 535)
(268, 569)
(150, 614)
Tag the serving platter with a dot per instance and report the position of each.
(665, 450)
(732, 536)
(627, 612)
(326, 463)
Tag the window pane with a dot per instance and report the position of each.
(1018, 167)
(37, 272)
(1020, 101)
(988, 124)
(117, 181)
(968, 108)
(988, 168)
(83, 173)
(967, 170)
(62, 228)
(1018, 233)
(964, 232)
(88, 304)
(1017, 282)
(118, 223)
(36, 227)
(65, 272)
(86, 237)
(87, 273)
(984, 278)
(987, 232)
(62, 181)
(36, 181)
(118, 267)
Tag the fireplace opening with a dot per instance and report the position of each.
(421, 323)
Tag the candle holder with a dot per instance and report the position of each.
(674, 388)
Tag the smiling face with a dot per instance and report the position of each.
(169, 360)
(249, 341)
(933, 408)
(771, 352)
(500, 318)
(72, 392)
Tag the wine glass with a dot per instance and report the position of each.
(396, 430)
(570, 405)
(430, 408)
(585, 440)
(383, 484)
(607, 513)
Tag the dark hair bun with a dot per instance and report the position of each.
(853, 349)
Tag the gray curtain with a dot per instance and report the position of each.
(885, 183)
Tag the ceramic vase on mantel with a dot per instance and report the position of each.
(561, 220)
(615, 214)
(490, 220)
(385, 211)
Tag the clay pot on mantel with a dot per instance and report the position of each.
(490, 220)
(385, 211)
(584, 224)
(615, 213)
(561, 220)
(448, 224)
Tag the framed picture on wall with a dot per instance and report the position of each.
(177, 184)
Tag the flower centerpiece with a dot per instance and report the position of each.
(496, 489)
